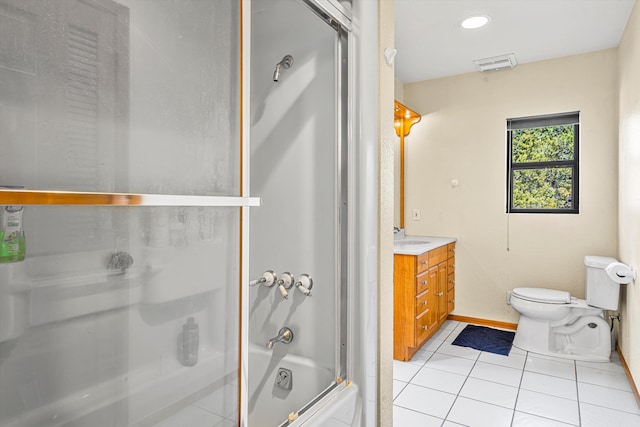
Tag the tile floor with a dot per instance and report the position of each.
(446, 385)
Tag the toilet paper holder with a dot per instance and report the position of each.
(620, 273)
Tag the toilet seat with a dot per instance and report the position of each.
(542, 295)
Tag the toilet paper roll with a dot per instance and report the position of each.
(620, 273)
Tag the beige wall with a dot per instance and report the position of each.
(386, 39)
(629, 185)
(462, 136)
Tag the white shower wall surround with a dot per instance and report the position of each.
(82, 344)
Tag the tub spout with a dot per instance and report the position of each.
(284, 335)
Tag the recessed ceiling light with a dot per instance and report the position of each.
(475, 21)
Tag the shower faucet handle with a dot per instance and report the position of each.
(268, 279)
(285, 283)
(304, 284)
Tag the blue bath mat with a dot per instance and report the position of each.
(485, 339)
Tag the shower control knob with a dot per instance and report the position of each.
(268, 279)
(304, 284)
(285, 283)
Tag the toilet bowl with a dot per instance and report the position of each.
(554, 323)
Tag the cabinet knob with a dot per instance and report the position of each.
(424, 282)
(425, 327)
(452, 301)
(440, 294)
(424, 303)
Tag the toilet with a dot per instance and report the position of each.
(554, 323)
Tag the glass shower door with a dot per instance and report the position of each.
(121, 120)
(298, 169)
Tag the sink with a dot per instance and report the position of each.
(410, 242)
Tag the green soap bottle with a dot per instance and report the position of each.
(12, 242)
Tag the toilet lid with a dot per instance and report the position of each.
(548, 296)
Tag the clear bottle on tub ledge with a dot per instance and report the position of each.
(13, 246)
(190, 342)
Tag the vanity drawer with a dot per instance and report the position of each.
(451, 281)
(438, 255)
(423, 323)
(422, 262)
(422, 302)
(451, 265)
(422, 282)
(451, 299)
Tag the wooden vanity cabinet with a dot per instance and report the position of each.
(451, 277)
(424, 289)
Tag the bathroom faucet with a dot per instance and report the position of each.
(284, 335)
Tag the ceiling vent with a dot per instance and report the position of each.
(496, 63)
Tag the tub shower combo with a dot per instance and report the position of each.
(180, 171)
(298, 238)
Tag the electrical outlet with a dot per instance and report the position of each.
(416, 214)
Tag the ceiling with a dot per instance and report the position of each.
(431, 44)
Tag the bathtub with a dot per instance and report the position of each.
(341, 408)
(270, 405)
(134, 399)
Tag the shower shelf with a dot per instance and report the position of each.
(67, 198)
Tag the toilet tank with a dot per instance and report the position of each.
(600, 291)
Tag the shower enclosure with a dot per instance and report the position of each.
(299, 169)
(133, 133)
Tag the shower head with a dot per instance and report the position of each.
(286, 62)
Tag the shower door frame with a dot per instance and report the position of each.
(339, 19)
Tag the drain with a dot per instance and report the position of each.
(592, 325)
(284, 379)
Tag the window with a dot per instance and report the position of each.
(542, 165)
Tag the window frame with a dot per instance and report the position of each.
(570, 118)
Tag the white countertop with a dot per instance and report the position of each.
(413, 245)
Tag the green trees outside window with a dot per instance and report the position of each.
(543, 164)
